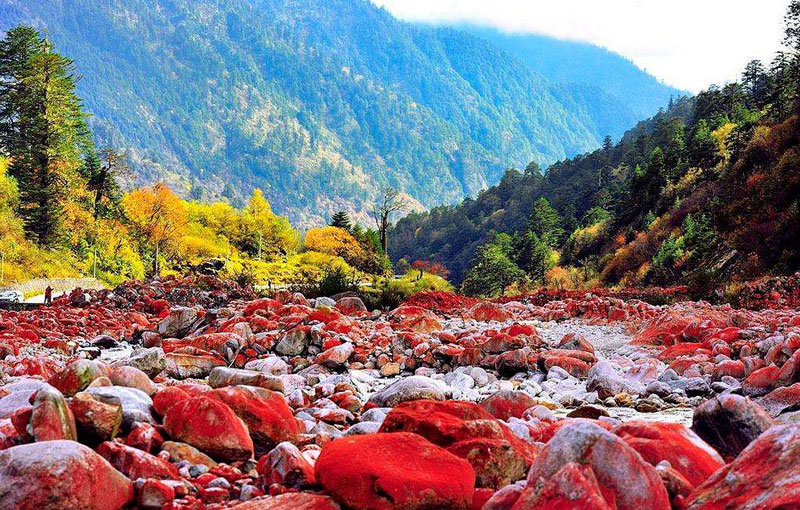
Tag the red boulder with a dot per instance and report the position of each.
(210, 426)
(394, 472)
(765, 476)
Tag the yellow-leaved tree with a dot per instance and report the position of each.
(335, 241)
(262, 233)
(158, 217)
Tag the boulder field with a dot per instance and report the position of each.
(195, 394)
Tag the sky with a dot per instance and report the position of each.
(690, 44)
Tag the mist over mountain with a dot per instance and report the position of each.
(321, 103)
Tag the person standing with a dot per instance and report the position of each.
(48, 295)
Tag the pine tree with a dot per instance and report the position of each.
(341, 220)
(42, 128)
(532, 255)
(546, 223)
(608, 144)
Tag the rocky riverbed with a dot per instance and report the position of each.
(196, 394)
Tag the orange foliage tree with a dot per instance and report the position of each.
(158, 216)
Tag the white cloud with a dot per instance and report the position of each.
(687, 43)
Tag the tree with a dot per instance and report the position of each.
(341, 220)
(608, 144)
(158, 217)
(41, 127)
(532, 255)
(262, 231)
(103, 172)
(389, 202)
(335, 241)
(792, 21)
(756, 82)
(533, 169)
(492, 269)
(546, 223)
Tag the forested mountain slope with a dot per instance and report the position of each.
(319, 102)
(587, 68)
(703, 193)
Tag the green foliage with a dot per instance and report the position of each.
(322, 102)
(42, 127)
(713, 178)
(663, 266)
(334, 279)
(698, 234)
(546, 223)
(341, 219)
(493, 269)
(388, 293)
(532, 254)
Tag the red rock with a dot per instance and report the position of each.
(495, 462)
(9, 436)
(480, 497)
(153, 494)
(686, 453)
(501, 343)
(573, 487)
(83, 480)
(575, 342)
(628, 482)
(446, 423)
(396, 471)
(77, 375)
(211, 426)
(678, 487)
(504, 499)
(211, 495)
(486, 312)
(51, 417)
(291, 501)
(261, 305)
(762, 381)
(145, 437)
(164, 399)
(573, 366)
(96, 420)
(678, 350)
(351, 306)
(781, 399)
(729, 423)
(209, 342)
(765, 476)
(267, 415)
(521, 330)
(182, 451)
(135, 463)
(506, 403)
(732, 368)
(286, 465)
(511, 362)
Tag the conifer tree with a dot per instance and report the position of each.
(340, 219)
(42, 128)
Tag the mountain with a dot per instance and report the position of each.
(586, 68)
(318, 102)
(705, 193)
(451, 234)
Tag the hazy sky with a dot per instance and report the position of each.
(687, 43)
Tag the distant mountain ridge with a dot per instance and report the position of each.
(318, 102)
(574, 63)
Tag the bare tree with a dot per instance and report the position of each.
(388, 202)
